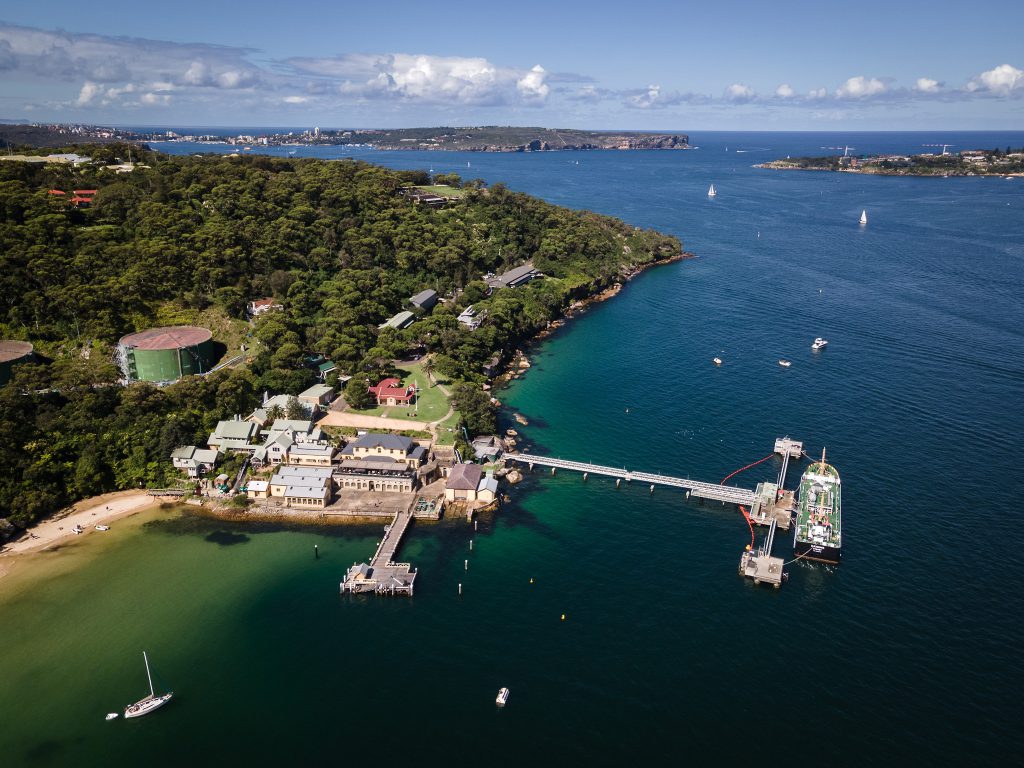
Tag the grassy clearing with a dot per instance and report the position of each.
(432, 406)
(442, 190)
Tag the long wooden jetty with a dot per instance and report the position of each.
(725, 493)
(382, 575)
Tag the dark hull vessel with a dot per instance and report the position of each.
(818, 533)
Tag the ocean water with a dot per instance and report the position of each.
(909, 651)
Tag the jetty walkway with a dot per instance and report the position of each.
(724, 493)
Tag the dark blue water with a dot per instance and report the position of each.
(908, 652)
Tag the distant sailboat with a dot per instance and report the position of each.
(711, 191)
(863, 217)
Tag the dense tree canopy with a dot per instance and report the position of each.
(333, 241)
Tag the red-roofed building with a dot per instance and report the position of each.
(56, 192)
(391, 392)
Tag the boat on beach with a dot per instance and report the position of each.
(102, 527)
(147, 704)
(78, 529)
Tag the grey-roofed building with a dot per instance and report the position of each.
(195, 461)
(470, 318)
(234, 436)
(487, 447)
(317, 396)
(259, 416)
(399, 321)
(424, 300)
(518, 276)
(487, 490)
(311, 454)
(303, 486)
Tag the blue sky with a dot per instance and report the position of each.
(722, 65)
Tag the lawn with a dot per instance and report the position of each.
(442, 190)
(432, 406)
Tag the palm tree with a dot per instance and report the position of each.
(428, 368)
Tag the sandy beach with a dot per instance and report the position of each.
(87, 513)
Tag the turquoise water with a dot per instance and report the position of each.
(906, 652)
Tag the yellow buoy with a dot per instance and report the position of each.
(531, 581)
(563, 617)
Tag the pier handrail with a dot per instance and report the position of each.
(726, 493)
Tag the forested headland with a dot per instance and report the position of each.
(193, 239)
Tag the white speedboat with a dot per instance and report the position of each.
(102, 527)
(111, 716)
(502, 697)
(819, 343)
(785, 363)
(717, 361)
(149, 703)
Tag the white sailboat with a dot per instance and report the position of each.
(711, 191)
(863, 217)
(149, 703)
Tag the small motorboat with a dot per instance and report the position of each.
(102, 527)
(502, 697)
(785, 363)
(111, 716)
(819, 343)
(717, 361)
(78, 529)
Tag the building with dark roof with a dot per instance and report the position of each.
(424, 300)
(518, 276)
(381, 444)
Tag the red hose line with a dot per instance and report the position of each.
(746, 515)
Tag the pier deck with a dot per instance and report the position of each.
(723, 493)
(382, 575)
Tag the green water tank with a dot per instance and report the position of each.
(12, 353)
(166, 354)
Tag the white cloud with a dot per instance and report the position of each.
(155, 99)
(817, 93)
(860, 87)
(295, 99)
(531, 86)
(1000, 80)
(784, 91)
(646, 99)
(739, 93)
(88, 93)
(423, 78)
(926, 85)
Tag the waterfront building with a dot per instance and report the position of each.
(309, 487)
(463, 481)
(375, 473)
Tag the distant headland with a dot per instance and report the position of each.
(478, 139)
(970, 162)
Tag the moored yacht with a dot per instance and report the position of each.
(149, 703)
(819, 343)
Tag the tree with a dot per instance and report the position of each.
(295, 409)
(274, 413)
(357, 392)
(428, 368)
(475, 407)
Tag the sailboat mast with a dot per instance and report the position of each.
(148, 676)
